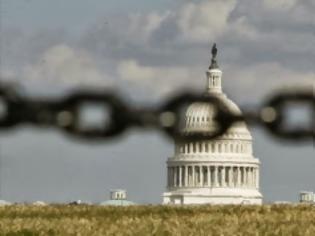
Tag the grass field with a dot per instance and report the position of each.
(158, 220)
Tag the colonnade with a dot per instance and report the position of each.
(214, 147)
(213, 176)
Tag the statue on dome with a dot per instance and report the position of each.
(214, 51)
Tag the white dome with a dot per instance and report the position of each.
(199, 118)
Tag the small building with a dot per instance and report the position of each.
(282, 202)
(118, 197)
(39, 203)
(307, 197)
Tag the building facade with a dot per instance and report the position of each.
(220, 171)
(118, 197)
(307, 197)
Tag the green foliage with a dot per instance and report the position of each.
(157, 220)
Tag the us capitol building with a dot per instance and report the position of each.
(220, 171)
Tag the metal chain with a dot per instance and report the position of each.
(65, 114)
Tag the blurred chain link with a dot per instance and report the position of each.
(65, 114)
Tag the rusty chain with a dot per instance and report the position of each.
(65, 114)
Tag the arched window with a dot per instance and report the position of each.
(200, 147)
(206, 147)
(220, 148)
(194, 147)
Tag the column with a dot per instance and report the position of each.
(231, 176)
(171, 180)
(223, 176)
(191, 147)
(238, 176)
(235, 169)
(171, 176)
(186, 148)
(193, 176)
(186, 176)
(254, 177)
(251, 177)
(257, 178)
(201, 175)
(189, 175)
(242, 176)
(180, 176)
(168, 176)
(209, 176)
(175, 176)
(246, 176)
(215, 176)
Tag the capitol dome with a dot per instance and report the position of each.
(199, 117)
(220, 171)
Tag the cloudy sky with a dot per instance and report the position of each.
(147, 50)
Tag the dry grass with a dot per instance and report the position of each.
(158, 220)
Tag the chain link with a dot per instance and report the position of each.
(65, 114)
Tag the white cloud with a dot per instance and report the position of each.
(199, 21)
(241, 27)
(63, 64)
(141, 26)
(168, 48)
(160, 80)
(257, 80)
(279, 4)
(193, 22)
(253, 82)
(131, 71)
